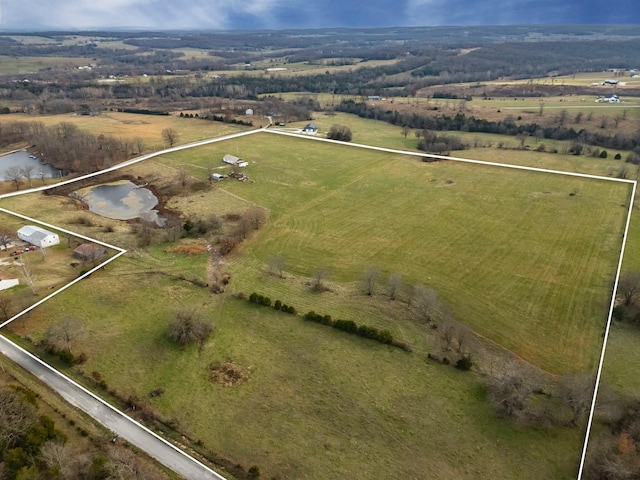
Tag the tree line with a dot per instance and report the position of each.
(509, 126)
(66, 147)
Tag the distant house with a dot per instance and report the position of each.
(233, 160)
(38, 236)
(249, 111)
(89, 252)
(7, 281)
(612, 99)
(310, 128)
(373, 97)
(610, 81)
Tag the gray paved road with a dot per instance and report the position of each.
(113, 419)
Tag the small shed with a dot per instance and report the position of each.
(249, 111)
(89, 252)
(7, 281)
(38, 236)
(233, 160)
(217, 176)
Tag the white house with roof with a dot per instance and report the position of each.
(38, 236)
(310, 128)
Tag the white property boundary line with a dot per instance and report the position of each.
(347, 144)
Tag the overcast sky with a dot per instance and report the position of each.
(280, 14)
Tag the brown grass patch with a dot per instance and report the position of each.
(189, 249)
(228, 374)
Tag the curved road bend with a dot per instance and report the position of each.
(115, 420)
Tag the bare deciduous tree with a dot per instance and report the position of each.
(29, 277)
(14, 174)
(17, 416)
(183, 177)
(629, 287)
(256, 216)
(188, 326)
(6, 235)
(170, 135)
(426, 301)
(57, 455)
(319, 276)
(577, 392)
(6, 305)
(509, 395)
(370, 279)
(395, 285)
(139, 144)
(447, 329)
(61, 336)
(276, 265)
(27, 171)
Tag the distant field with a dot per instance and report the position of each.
(130, 126)
(23, 65)
(582, 78)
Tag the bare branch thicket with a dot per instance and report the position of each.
(629, 287)
(319, 276)
(276, 265)
(394, 286)
(61, 336)
(188, 326)
(370, 278)
(426, 301)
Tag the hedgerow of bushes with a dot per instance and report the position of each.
(349, 326)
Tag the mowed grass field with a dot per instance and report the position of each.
(527, 259)
(317, 403)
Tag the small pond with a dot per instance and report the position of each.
(121, 201)
(22, 159)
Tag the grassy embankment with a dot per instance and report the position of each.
(492, 243)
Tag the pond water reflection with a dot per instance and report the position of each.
(22, 159)
(121, 201)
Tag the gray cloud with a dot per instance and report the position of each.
(277, 14)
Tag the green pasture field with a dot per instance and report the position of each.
(317, 403)
(22, 65)
(630, 107)
(315, 396)
(382, 134)
(621, 361)
(460, 229)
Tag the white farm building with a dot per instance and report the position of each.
(38, 236)
(233, 160)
